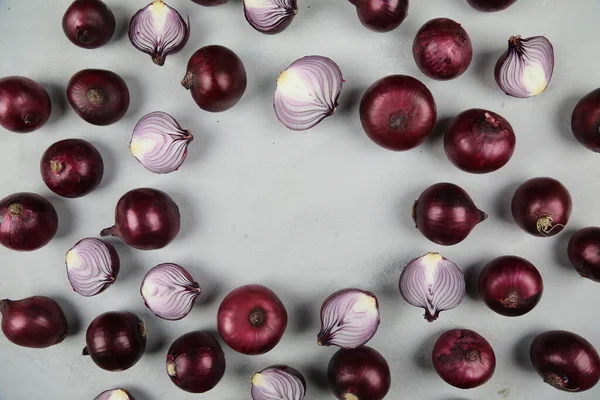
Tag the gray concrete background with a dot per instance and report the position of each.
(303, 213)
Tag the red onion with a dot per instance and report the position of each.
(251, 319)
(92, 266)
(27, 221)
(585, 121)
(196, 362)
(584, 252)
(169, 291)
(114, 394)
(37, 322)
(307, 92)
(146, 219)
(541, 206)
(479, 141)
(210, 3)
(349, 319)
(99, 97)
(463, 358)
(433, 283)
(445, 214)
(158, 30)
(24, 104)
(491, 5)
(398, 112)
(115, 340)
(510, 286)
(88, 23)
(526, 68)
(381, 15)
(566, 361)
(216, 77)
(359, 374)
(270, 16)
(159, 143)
(278, 382)
(72, 168)
(442, 49)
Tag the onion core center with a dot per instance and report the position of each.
(472, 355)
(257, 318)
(95, 96)
(15, 209)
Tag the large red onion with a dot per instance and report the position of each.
(491, 5)
(27, 221)
(398, 112)
(251, 319)
(24, 104)
(381, 15)
(585, 121)
(196, 362)
(36, 322)
(88, 23)
(210, 3)
(541, 206)
(146, 219)
(566, 361)
(463, 358)
(584, 252)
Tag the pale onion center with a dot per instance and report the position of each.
(431, 261)
(141, 146)
(258, 380)
(160, 13)
(534, 79)
(149, 289)
(290, 84)
(365, 303)
(118, 395)
(73, 260)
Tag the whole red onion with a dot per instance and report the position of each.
(72, 168)
(216, 77)
(479, 141)
(566, 361)
(88, 23)
(24, 104)
(251, 319)
(585, 121)
(442, 49)
(381, 15)
(36, 322)
(146, 219)
(463, 358)
(398, 112)
(491, 5)
(584, 252)
(196, 362)
(27, 221)
(210, 3)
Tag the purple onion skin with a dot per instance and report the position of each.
(442, 49)
(106, 395)
(491, 5)
(584, 253)
(24, 104)
(210, 3)
(88, 23)
(585, 121)
(566, 361)
(381, 15)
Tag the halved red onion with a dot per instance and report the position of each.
(278, 382)
(270, 16)
(158, 30)
(169, 291)
(92, 266)
(307, 92)
(114, 394)
(434, 283)
(349, 319)
(159, 143)
(526, 68)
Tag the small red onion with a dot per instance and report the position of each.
(72, 168)
(92, 266)
(491, 5)
(445, 214)
(433, 283)
(147, 219)
(99, 97)
(210, 3)
(196, 362)
(114, 394)
(88, 23)
(37, 322)
(585, 121)
(307, 92)
(158, 30)
(398, 112)
(541, 206)
(584, 252)
(24, 104)
(159, 143)
(270, 16)
(381, 15)
(463, 358)
(169, 291)
(359, 374)
(27, 221)
(566, 361)
(216, 77)
(526, 68)
(510, 286)
(251, 319)
(479, 141)
(442, 49)
(349, 319)
(278, 382)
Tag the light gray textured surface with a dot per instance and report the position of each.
(303, 213)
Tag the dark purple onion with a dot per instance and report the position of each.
(585, 121)
(584, 252)
(88, 23)
(381, 15)
(24, 104)
(210, 3)
(491, 5)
